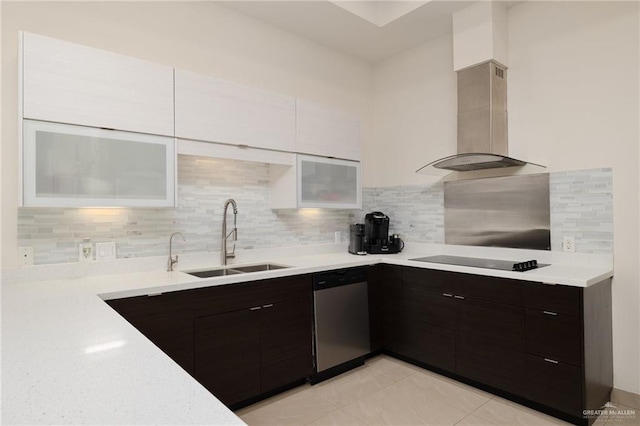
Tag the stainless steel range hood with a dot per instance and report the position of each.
(482, 122)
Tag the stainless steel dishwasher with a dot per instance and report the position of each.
(341, 303)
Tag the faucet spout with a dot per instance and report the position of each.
(224, 254)
(171, 261)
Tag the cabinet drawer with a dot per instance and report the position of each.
(426, 279)
(234, 297)
(283, 289)
(555, 385)
(224, 298)
(553, 335)
(491, 289)
(556, 298)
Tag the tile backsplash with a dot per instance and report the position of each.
(581, 206)
(203, 186)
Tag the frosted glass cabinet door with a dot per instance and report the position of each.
(65, 165)
(327, 182)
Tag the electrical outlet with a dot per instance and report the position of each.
(25, 256)
(336, 237)
(85, 252)
(568, 244)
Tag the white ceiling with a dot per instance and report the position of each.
(365, 32)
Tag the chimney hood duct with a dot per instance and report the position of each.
(482, 122)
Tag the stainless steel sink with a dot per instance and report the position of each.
(258, 268)
(219, 272)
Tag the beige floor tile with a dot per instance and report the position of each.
(404, 404)
(458, 394)
(472, 420)
(390, 368)
(499, 411)
(297, 408)
(338, 418)
(351, 386)
(273, 399)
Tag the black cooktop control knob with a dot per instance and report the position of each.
(525, 266)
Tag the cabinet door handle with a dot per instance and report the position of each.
(447, 294)
(459, 297)
(268, 306)
(255, 308)
(550, 313)
(552, 361)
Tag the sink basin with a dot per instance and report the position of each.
(220, 272)
(258, 268)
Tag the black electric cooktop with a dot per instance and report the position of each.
(476, 262)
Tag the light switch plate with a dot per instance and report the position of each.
(25, 256)
(106, 251)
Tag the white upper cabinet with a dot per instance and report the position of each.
(212, 110)
(316, 182)
(80, 166)
(327, 131)
(69, 83)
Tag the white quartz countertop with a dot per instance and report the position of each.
(68, 358)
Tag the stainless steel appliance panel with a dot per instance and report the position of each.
(511, 211)
(341, 324)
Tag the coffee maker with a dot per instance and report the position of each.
(376, 235)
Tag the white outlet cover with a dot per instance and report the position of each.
(568, 244)
(25, 256)
(106, 251)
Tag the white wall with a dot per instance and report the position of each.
(199, 36)
(414, 114)
(573, 104)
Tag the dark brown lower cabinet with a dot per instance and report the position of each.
(435, 346)
(546, 344)
(554, 335)
(429, 324)
(238, 340)
(490, 343)
(227, 355)
(385, 303)
(285, 343)
(242, 354)
(554, 384)
(165, 319)
(493, 363)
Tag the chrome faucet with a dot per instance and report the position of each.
(171, 261)
(224, 255)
